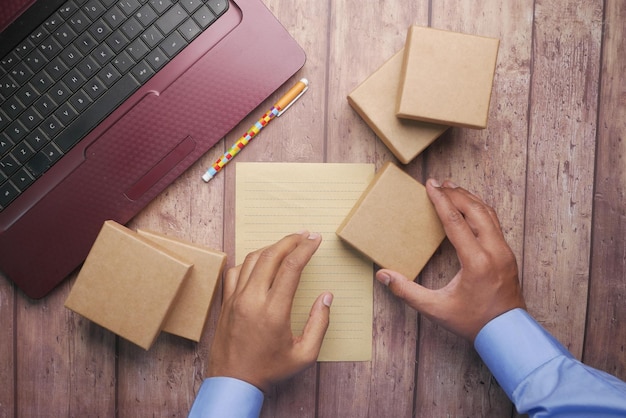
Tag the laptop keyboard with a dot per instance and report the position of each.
(75, 68)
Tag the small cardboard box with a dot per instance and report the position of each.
(375, 101)
(394, 223)
(447, 77)
(128, 284)
(190, 311)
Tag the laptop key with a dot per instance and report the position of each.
(36, 60)
(218, 6)
(123, 62)
(37, 139)
(38, 164)
(68, 9)
(45, 105)
(146, 15)
(142, 71)
(151, 37)
(171, 19)
(156, 58)
(79, 22)
(128, 6)
(56, 69)
(189, 29)
(5, 144)
(100, 30)
(93, 9)
(65, 35)
(204, 17)
(114, 17)
(173, 44)
(22, 179)
(8, 165)
(160, 5)
(8, 192)
(80, 101)
(137, 49)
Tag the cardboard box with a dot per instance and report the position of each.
(447, 77)
(394, 223)
(128, 284)
(190, 311)
(375, 101)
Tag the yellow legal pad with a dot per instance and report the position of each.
(278, 199)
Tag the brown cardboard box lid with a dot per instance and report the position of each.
(394, 223)
(375, 101)
(191, 308)
(447, 77)
(127, 284)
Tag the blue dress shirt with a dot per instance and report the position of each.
(537, 373)
(225, 397)
(540, 376)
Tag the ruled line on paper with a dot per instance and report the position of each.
(278, 199)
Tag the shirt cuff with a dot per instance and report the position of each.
(513, 344)
(227, 397)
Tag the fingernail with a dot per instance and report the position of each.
(328, 299)
(451, 184)
(313, 236)
(435, 183)
(383, 277)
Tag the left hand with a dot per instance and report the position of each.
(253, 341)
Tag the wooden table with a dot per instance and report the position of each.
(552, 162)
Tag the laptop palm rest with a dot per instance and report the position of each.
(160, 169)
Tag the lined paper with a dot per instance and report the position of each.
(278, 199)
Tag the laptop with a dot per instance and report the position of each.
(104, 103)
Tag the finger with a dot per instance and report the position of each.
(290, 270)
(246, 268)
(268, 261)
(315, 328)
(479, 216)
(230, 282)
(492, 212)
(456, 227)
(471, 195)
(413, 294)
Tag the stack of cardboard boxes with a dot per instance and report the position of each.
(439, 79)
(137, 284)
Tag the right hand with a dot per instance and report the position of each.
(487, 284)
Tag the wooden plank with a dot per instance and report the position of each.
(157, 382)
(65, 364)
(362, 39)
(452, 380)
(297, 136)
(165, 379)
(606, 321)
(564, 96)
(7, 347)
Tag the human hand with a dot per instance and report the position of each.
(487, 284)
(253, 341)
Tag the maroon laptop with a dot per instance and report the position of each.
(50, 213)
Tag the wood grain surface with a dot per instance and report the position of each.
(551, 162)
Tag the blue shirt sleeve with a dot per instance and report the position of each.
(221, 397)
(540, 376)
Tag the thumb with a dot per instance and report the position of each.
(316, 326)
(413, 294)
